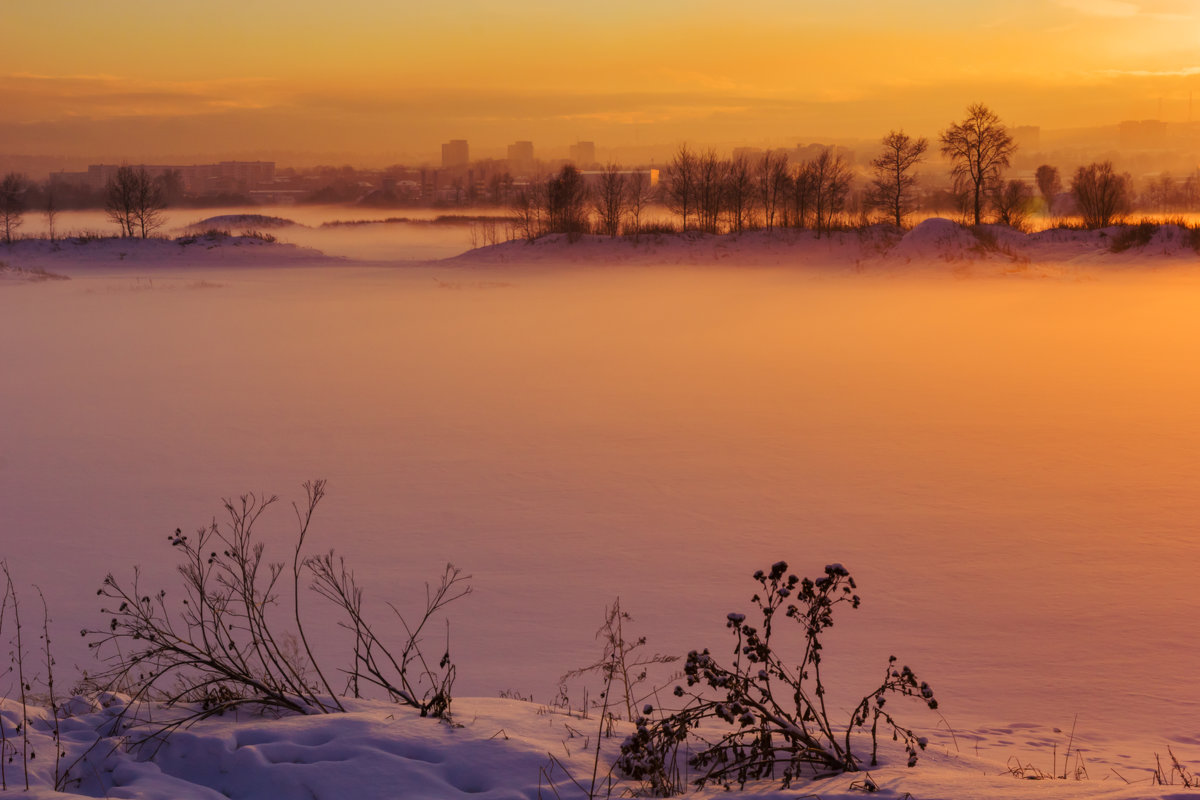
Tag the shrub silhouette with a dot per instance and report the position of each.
(761, 717)
(223, 642)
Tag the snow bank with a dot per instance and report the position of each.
(937, 245)
(938, 240)
(31, 275)
(751, 249)
(1140, 242)
(31, 255)
(496, 749)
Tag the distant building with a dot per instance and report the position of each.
(1027, 138)
(592, 176)
(583, 153)
(225, 177)
(455, 153)
(520, 155)
(1146, 134)
(747, 153)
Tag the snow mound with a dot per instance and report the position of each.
(1139, 241)
(940, 239)
(241, 221)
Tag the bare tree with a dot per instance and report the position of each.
(134, 201)
(892, 185)
(771, 177)
(1049, 186)
(803, 193)
(1189, 192)
(639, 195)
(710, 184)
(609, 200)
(979, 148)
(12, 203)
(831, 179)
(681, 184)
(566, 203)
(119, 199)
(1161, 193)
(50, 209)
(528, 206)
(170, 184)
(1012, 201)
(738, 194)
(149, 203)
(1101, 194)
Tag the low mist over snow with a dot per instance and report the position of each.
(1001, 464)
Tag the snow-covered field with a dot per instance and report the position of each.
(1007, 467)
(499, 749)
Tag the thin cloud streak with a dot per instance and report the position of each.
(1153, 73)
(1102, 8)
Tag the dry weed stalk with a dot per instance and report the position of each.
(17, 657)
(762, 717)
(220, 646)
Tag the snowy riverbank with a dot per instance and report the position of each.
(933, 246)
(498, 749)
(202, 249)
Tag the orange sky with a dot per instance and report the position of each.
(383, 81)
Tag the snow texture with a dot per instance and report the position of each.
(495, 749)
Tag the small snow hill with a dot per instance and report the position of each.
(241, 222)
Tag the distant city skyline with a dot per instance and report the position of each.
(376, 82)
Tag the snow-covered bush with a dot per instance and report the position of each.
(762, 717)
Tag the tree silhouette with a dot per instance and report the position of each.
(12, 204)
(1101, 194)
(1049, 185)
(831, 179)
(710, 190)
(681, 184)
(639, 194)
(1012, 201)
(979, 148)
(771, 178)
(738, 194)
(566, 203)
(609, 199)
(134, 201)
(891, 188)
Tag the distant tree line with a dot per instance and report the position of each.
(711, 194)
(566, 202)
(702, 191)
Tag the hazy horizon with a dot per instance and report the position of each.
(373, 83)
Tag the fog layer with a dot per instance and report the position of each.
(1008, 469)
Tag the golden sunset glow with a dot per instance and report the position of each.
(387, 81)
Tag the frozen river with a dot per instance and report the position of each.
(1010, 470)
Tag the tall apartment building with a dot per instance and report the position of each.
(520, 155)
(198, 179)
(583, 153)
(455, 153)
